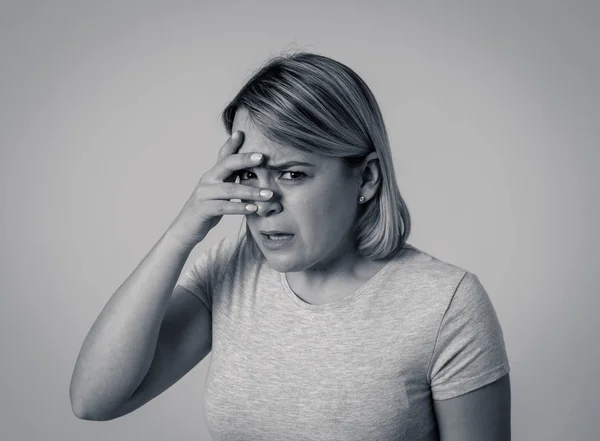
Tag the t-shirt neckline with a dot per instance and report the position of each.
(350, 298)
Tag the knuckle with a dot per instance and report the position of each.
(225, 162)
(222, 155)
(208, 178)
(199, 192)
(225, 147)
(230, 189)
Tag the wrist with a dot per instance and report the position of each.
(172, 241)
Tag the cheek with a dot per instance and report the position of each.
(323, 217)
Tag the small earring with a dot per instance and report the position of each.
(361, 199)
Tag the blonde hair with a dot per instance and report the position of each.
(321, 106)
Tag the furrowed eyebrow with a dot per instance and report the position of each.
(285, 165)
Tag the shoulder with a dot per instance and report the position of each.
(418, 258)
(424, 272)
(438, 286)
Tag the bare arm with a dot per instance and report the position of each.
(483, 414)
(119, 348)
(185, 338)
(149, 334)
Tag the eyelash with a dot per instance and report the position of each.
(302, 177)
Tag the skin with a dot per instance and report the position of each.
(482, 414)
(316, 203)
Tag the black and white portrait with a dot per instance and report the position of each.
(301, 221)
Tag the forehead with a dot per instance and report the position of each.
(255, 141)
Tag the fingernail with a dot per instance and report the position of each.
(235, 135)
(266, 193)
(256, 157)
(251, 207)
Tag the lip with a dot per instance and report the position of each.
(275, 244)
(271, 232)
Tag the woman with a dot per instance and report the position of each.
(324, 323)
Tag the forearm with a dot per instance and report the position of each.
(118, 350)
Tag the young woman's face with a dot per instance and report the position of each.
(316, 203)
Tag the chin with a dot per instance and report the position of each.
(284, 262)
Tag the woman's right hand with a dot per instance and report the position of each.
(210, 200)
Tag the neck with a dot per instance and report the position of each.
(346, 265)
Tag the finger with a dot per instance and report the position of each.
(226, 169)
(232, 144)
(231, 190)
(231, 164)
(219, 208)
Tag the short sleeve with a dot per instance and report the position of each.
(469, 352)
(202, 277)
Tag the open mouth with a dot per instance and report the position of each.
(278, 236)
(275, 240)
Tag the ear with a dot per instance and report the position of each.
(370, 176)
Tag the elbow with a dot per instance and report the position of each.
(78, 406)
(82, 414)
(83, 410)
(86, 414)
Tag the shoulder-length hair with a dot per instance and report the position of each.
(321, 106)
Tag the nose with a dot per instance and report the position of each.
(268, 208)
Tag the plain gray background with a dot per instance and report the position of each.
(109, 115)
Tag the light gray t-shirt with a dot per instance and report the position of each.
(362, 368)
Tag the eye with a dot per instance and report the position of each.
(244, 175)
(294, 176)
(298, 175)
